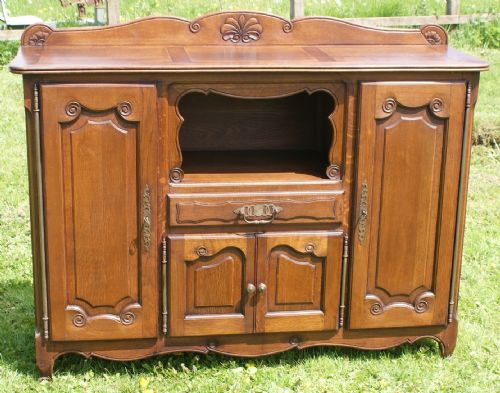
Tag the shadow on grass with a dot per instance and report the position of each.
(18, 353)
(76, 365)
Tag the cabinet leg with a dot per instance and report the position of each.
(44, 359)
(448, 339)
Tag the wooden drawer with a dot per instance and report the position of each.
(236, 209)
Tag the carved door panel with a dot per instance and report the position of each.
(298, 281)
(407, 185)
(211, 285)
(100, 164)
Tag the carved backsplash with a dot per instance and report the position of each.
(240, 28)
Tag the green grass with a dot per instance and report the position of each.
(487, 116)
(475, 366)
(132, 9)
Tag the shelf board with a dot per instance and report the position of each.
(253, 166)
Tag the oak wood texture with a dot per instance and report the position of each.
(208, 277)
(98, 159)
(219, 284)
(239, 125)
(237, 41)
(301, 272)
(255, 176)
(403, 262)
(213, 209)
(214, 122)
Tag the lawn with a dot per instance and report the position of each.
(474, 367)
(132, 9)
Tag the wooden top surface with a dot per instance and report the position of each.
(238, 41)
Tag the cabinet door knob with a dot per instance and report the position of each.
(251, 289)
(262, 287)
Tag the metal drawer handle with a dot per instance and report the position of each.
(258, 214)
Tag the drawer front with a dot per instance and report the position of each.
(231, 209)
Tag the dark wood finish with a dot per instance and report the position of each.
(403, 260)
(99, 156)
(218, 123)
(301, 277)
(209, 43)
(324, 160)
(253, 119)
(219, 285)
(221, 209)
(207, 287)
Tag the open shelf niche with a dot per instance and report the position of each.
(227, 138)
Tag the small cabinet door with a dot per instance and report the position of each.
(298, 281)
(99, 167)
(407, 184)
(211, 285)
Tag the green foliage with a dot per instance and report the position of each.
(50, 10)
(8, 50)
(375, 8)
(487, 117)
(477, 35)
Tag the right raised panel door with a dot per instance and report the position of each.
(298, 281)
(407, 186)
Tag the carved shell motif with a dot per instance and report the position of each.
(241, 30)
(434, 35)
(38, 38)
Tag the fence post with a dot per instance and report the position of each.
(452, 7)
(296, 8)
(113, 7)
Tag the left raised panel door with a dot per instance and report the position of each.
(211, 284)
(99, 166)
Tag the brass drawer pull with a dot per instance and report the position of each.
(258, 214)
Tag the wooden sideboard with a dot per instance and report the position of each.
(245, 185)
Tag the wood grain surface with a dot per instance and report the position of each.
(308, 197)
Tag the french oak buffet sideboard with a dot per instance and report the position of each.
(244, 184)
